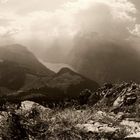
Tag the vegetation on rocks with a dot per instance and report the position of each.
(113, 115)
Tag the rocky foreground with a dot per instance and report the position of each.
(115, 115)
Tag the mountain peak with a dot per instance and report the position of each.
(24, 57)
(17, 47)
(14, 46)
(65, 70)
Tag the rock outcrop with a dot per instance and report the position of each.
(29, 121)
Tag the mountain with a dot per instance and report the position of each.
(24, 58)
(19, 68)
(66, 84)
(24, 77)
(67, 77)
(71, 83)
(56, 67)
(12, 76)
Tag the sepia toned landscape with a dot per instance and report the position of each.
(70, 70)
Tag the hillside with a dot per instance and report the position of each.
(24, 77)
(12, 76)
(20, 69)
(66, 84)
(71, 82)
(24, 58)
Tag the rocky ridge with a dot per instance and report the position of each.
(115, 116)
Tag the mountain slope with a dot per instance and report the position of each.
(66, 84)
(22, 56)
(71, 83)
(12, 76)
(20, 69)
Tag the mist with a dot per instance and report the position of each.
(106, 61)
(90, 35)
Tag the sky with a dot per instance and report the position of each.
(43, 24)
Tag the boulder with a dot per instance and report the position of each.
(34, 119)
(29, 105)
(126, 99)
(3, 118)
(31, 109)
(118, 102)
(97, 127)
(133, 136)
(132, 127)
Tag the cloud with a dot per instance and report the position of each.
(136, 30)
(3, 1)
(111, 19)
(6, 35)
